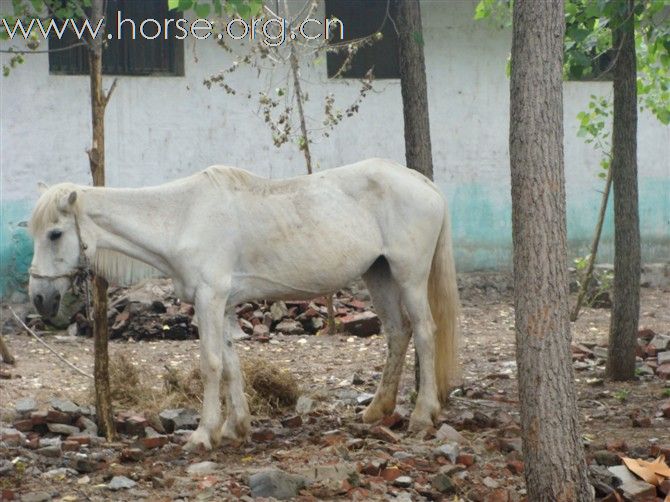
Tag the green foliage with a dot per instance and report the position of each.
(243, 8)
(665, 393)
(595, 127)
(498, 11)
(588, 43)
(25, 11)
(622, 395)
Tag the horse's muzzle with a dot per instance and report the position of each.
(47, 305)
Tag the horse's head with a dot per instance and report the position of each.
(57, 249)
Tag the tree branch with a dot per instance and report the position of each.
(109, 93)
(30, 51)
(31, 332)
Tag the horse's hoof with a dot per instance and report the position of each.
(235, 430)
(420, 421)
(199, 440)
(375, 412)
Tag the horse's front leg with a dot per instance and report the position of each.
(238, 419)
(210, 306)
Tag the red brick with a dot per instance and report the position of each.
(466, 459)
(132, 455)
(25, 425)
(38, 417)
(384, 433)
(392, 421)
(70, 445)
(292, 422)
(81, 439)
(663, 371)
(154, 441)
(333, 438)
(515, 466)
(263, 435)
(135, 425)
(361, 323)
(391, 473)
(58, 417)
(499, 495)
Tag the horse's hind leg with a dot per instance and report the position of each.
(385, 295)
(415, 299)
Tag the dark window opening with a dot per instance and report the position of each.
(596, 67)
(125, 56)
(362, 18)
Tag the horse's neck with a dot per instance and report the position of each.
(134, 222)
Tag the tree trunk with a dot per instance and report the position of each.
(6, 355)
(554, 465)
(414, 88)
(626, 297)
(586, 282)
(103, 400)
(418, 154)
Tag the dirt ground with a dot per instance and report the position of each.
(333, 434)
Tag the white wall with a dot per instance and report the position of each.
(161, 128)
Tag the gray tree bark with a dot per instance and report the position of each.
(554, 465)
(626, 297)
(414, 89)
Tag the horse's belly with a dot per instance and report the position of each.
(302, 263)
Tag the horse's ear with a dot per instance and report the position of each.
(67, 202)
(42, 187)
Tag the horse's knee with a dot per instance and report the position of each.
(211, 365)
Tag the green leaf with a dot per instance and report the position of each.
(418, 38)
(173, 4)
(185, 5)
(202, 9)
(256, 7)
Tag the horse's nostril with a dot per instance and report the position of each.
(55, 304)
(38, 301)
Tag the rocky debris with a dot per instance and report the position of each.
(447, 433)
(65, 406)
(150, 310)
(25, 405)
(202, 468)
(121, 483)
(179, 418)
(304, 405)
(36, 497)
(276, 483)
(447, 450)
(361, 324)
(653, 353)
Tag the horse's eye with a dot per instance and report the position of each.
(55, 235)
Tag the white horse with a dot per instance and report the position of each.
(226, 236)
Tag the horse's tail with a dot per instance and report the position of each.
(445, 306)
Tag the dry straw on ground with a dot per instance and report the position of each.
(269, 388)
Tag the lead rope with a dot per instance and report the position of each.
(84, 273)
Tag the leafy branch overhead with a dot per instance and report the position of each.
(282, 98)
(243, 8)
(589, 51)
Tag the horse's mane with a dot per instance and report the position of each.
(232, 178)
(46, 211)
(122, 269)
(112, 265)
